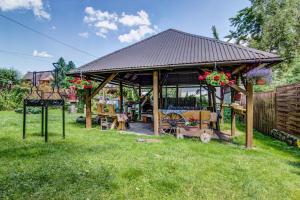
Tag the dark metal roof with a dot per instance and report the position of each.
(176, 48)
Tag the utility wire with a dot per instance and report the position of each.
(46, 36)
(22, 54)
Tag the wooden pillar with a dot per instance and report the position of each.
(177, 94)
(140, 103)
(88, 111)
(155, 102)
(233, 120)
(121, 98)
(249, 115)
(221, 105)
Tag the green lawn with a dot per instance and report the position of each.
(90, 164)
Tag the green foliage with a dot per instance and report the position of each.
(273, 26)
(90, 164)
(8, 76)
(29, 110)
(215, 32)
(11, 99)
(63, 69)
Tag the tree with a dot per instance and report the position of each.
(8, 77)
(269, 25)
(273, 26)
(63, 69)
(215, 32)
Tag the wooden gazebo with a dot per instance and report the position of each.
(175, 58)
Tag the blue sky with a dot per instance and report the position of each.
(99, 27)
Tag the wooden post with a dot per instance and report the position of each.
(221, 105)
(177, 94)
(88, 112)
(140, 103)
(233, 120)
(121, 97)
(155, 102)
(249, 124)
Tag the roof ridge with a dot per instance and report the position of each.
(225, 43)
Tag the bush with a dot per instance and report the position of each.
(29, 110)
(11, 99)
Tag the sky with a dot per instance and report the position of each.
(99, 27)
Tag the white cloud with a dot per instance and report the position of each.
(136, 34)
(35, 5)
(53, 27)
(102, 21)
(43, 54)
(84, 34)
(142, 18)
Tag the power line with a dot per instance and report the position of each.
(22, 54)
(46, 36)
(32, 56)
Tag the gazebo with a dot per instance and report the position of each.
(174, 58)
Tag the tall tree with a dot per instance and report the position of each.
(63, 69)
(215, 32)
(270, 25)
(273, 26)
(8, 76)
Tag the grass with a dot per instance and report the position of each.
(90, 164)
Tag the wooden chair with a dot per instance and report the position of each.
(104, 123)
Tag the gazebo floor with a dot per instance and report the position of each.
(141, 128)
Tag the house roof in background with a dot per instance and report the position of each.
(176, 48)
(45, 76)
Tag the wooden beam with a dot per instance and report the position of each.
(155, 102)
(237, 88)
(102, 85)
(88, 109)
(238, 69)
(249, 115)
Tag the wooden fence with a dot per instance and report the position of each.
(278, 109)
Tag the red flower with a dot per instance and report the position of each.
(222, 83)
(201, 78)
(231, 82)
(228, 75)
(216, 78)
(206, 73)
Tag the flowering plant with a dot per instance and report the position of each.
(192, 122)
(79, 83)
(216, 78)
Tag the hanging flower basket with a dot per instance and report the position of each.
(79, 83)
(261, 76)
(216, 78)
(260, 81)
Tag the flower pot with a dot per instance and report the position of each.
(260, 81)
(193, 128)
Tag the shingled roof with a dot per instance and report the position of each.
(176, 48)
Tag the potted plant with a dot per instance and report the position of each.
(192, 124)
(260, 76)
(216, 78)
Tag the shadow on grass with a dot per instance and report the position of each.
(267, 141)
